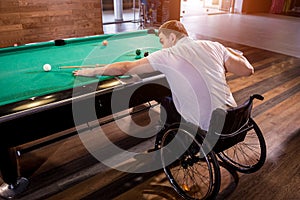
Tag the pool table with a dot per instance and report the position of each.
(35, 103)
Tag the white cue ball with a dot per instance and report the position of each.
(47, 67)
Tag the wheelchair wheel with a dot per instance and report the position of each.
(249, 155)
(193, 173)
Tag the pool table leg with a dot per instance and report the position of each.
(13, 184)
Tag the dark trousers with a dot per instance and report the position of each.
(171, 114)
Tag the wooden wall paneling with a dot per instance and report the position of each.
(9, 38)
(9, 28)
(9, 18)
(10, 25)
(9, 4)
(26, 21)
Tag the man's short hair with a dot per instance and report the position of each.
(173, 26)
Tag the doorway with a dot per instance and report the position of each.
(204, 7)
(120, 11)
(224, 5)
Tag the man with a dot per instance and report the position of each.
(195, 71)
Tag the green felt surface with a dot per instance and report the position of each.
(21, 68)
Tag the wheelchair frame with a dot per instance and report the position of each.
(195, 173)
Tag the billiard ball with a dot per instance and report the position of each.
(105, 43)
(47, 67)
(138, 52)
(146, 54)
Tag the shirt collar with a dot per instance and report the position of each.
(183, 40)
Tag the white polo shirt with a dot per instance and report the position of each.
(196, 75)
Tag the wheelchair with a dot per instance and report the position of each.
(190, 155)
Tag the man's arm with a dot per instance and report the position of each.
(118, 68)
(238, 64)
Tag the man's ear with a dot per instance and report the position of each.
(173, 37)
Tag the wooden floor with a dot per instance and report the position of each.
(65, 170)
(277, 33)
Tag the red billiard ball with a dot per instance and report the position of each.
(105, 43)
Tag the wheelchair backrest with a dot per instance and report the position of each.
(228, 121)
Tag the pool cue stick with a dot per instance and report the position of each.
(84, 66)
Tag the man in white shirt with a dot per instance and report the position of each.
(195, 71)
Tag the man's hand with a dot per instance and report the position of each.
(85, 72)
